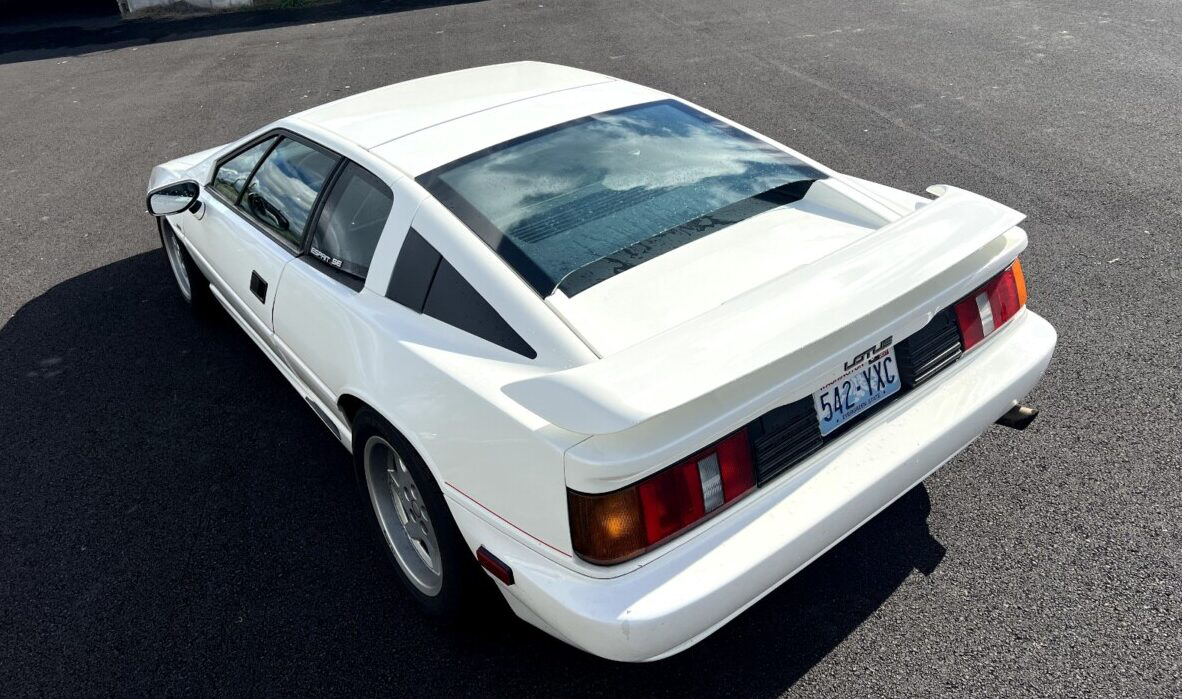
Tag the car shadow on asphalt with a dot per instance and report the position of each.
(174, 520)
(52, 38)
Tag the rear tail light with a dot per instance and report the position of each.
(616, 526)
(987, 308)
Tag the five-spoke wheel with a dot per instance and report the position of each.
(430, 555)
(402, 515)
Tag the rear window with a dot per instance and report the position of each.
(574, 204)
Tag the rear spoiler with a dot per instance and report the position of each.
(813, 305)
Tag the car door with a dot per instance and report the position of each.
(260, 203)
(317, 326)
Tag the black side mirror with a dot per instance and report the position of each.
(173, 198)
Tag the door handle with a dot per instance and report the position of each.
(258, 287)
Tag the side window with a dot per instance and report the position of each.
(352, 220)
(230, 178)
(284, 188)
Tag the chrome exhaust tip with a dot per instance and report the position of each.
(1018, 417)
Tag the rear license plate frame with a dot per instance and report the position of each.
(857, 390)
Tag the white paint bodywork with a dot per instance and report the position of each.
(635, 373)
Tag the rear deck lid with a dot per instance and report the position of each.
(670, 289)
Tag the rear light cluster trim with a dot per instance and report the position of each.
(985, 310)
(614, 527)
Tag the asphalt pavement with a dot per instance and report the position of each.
(175, 521)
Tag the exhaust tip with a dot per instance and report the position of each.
(1018, 417)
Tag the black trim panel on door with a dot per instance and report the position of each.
(258, 287)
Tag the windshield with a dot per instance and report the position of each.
(577, 203)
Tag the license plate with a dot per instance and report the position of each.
(857, 390)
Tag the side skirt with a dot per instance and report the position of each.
(338, 428)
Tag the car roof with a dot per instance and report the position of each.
(378, 116)
(425, 150)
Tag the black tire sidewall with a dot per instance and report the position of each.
(458, 561)
(200, 297)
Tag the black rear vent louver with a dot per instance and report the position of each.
(925, 353)
(784, 437)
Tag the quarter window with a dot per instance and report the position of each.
(231, 177)
(284, 188)
(351, 221)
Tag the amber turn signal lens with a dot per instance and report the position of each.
(1019, 282)
(607, 528)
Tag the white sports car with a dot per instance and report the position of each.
(639, 363)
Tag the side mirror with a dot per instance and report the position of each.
(173, 198)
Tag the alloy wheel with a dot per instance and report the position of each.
(402, 514)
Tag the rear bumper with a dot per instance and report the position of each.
(718, 570)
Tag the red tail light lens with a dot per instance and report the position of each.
(988, 308)
(614, 527)
(671, 501)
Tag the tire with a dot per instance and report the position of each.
(403, 502)
(190, 282)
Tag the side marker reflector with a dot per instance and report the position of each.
(495, 566)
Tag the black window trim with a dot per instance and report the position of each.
(418, 252)
(340, 276)
(529, 271)
(296, 251)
